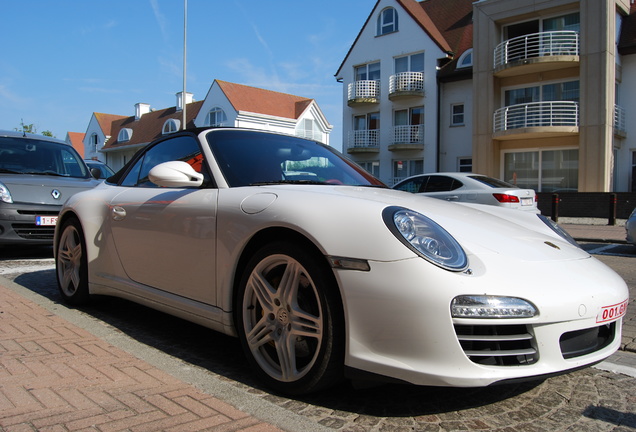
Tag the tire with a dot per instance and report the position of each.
(71, 264)
(290, 319)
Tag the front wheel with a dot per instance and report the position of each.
(290, 320)
(71, 264)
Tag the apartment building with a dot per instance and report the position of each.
(534, 92)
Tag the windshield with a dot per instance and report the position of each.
(249, 158)
(32, 156)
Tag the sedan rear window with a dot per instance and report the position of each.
(493, 183)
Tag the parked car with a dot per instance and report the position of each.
(37, 174)
(630, 228)
(470, 188)
(335, 275)
(99, 169)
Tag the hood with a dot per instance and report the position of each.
(40, 189)
(480, 229)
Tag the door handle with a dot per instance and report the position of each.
(119, 213)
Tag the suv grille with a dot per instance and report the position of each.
(497, 345)
(33, 231)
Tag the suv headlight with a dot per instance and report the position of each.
(5, 195)
(426, 238)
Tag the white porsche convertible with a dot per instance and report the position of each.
(324, 273)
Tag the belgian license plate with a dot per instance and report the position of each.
(45, 220)
(610, 313)
(526, 201)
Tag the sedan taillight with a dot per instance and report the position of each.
(505, 198)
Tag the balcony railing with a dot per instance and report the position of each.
(536, 114)
(362, 139)
(619, 120)
(406, 82)
(364, 91)
(556, 43)
(409, 134)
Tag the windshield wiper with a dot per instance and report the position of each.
(51, 173)
(8, 171)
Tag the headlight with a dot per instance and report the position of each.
(5, 195)
(481, 306)
(425, 237)
(560, 231)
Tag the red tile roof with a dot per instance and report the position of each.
(150, 125)
(257, 100)
(105, 121)
(77, 141)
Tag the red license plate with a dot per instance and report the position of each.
(611, 313)
(46, 220)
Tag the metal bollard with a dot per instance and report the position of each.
(555, 207)
(612, 209)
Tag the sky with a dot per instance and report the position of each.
(63, 60)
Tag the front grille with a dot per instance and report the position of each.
(33, 231)
(581, 342)
(38, 212)
(497, 345)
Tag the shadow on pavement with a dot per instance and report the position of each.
(222, 355)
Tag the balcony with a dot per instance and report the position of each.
(406, 84)
(619, 122)
(364, 141)
(536, 119)
(363, 92)
(408, 137)
(537, 52)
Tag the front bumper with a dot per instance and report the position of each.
(401, 327)
(17, 223)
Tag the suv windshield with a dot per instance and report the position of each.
(32, 156)
(254, 158)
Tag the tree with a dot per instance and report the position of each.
(30, 128)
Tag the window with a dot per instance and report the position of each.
(171, 126)
(387, 21)
(372, 168)
(93, 141)
(543, 170)
(366, 130)
(408, 125)
(457, 114)
(466, 59)
(407, 168)
(465, 164)
(410, 63)
(182, 148)
(216, 117)
(307, 128)
(125, 134)
(368, 72)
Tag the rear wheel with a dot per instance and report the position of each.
(290, 320)
(71, 264)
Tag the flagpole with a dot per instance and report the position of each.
(185, 26)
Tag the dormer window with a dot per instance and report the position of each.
(216, 117)
(171, 126)
(387, 21)
(466, 59)
(94, 140)
(125, 134)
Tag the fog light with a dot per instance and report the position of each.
(481, 306)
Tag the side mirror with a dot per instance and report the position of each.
(175, 174)
(96, 173)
